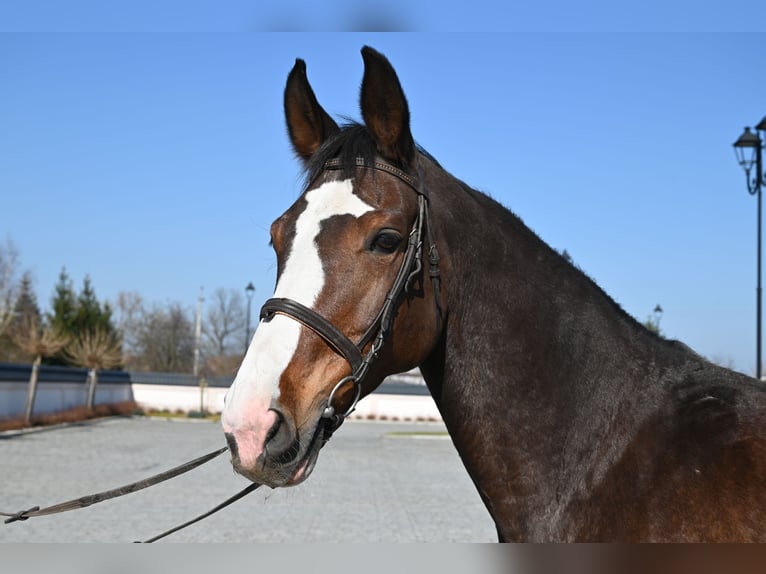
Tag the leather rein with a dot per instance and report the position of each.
(378, 331)
(91, 499)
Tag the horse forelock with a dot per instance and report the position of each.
(354, 141)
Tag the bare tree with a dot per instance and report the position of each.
(96, 350)
(38, 341)
(224, 323)
(161, 338)
(9, 258)
(165, 340)
(130, 313)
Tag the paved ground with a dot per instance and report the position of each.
(369, 485)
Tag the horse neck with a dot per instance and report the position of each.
(532, 351)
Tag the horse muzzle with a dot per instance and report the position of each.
(273, 451)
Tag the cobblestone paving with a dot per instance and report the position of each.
(369, 485)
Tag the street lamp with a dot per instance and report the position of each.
(249, 290)
(657, 317)
(749, 151)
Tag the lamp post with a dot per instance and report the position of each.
(749, 151)
(198, 331)
(249, 291)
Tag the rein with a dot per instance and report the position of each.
(380, 327)
(91, 499)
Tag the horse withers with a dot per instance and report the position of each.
(574, 421)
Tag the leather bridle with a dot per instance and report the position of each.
(380, 327)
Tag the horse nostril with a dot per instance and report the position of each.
(232, 442)
(274, 430)
(281, 442)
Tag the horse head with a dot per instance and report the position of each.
(357, 281)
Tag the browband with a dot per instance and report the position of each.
(412, 181)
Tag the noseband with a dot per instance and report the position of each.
(380, 327)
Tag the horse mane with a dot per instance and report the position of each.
(557, 263)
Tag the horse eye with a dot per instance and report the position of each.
(386, 241)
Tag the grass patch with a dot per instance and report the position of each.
(417, 434)
(179, 414)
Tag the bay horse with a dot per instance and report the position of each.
(574, 421)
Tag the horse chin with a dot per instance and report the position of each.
(308, 459)
(307, 463)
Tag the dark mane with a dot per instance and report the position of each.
(351, 142)
(556, 263)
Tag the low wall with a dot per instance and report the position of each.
(179, 398)
(400, 397)
(381, 406)
(58, 389)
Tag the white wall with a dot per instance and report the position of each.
(179, 397)
(397, 407)
(375, 406)
(58, 396)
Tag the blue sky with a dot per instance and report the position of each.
(342, 15)
(156, 162)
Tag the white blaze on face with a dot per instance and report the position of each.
(302, 279)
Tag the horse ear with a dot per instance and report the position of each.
(385, 110)
(307, 122)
